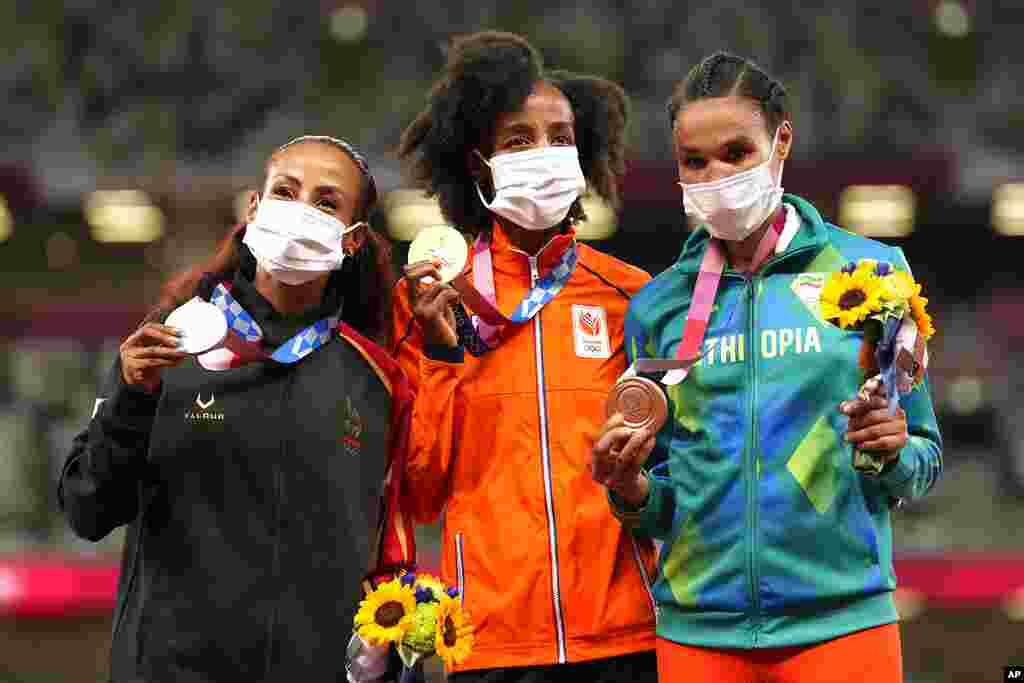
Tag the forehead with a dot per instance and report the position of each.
(545, 105)
(714, 120)
(316, 160)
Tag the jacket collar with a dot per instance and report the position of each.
(508, 258)
(810, 238)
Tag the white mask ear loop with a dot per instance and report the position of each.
(480, 190)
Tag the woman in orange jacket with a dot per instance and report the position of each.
(502, 434)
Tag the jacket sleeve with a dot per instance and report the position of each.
(434, 373)
(396, 544)
(920, 463)
(654, 517)
(394, 538)
(99, 484)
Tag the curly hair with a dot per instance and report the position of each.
(723, 74)
(489, 74)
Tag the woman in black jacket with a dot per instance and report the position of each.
(254, 478)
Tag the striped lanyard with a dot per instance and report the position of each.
(245, 336)
(696, 326)
(484, 333)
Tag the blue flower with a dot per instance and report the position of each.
(453, 592)
(882, 269)
(408, 579)
(424, 595)
(849, 268)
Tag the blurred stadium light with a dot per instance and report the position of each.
(123, 216)
(952, 19)
(6, 221)
(877, 210)
(1008, 209)
(409, 211)
(601, 221)
(348, 23)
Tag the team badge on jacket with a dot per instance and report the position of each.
(590, 330)
(351, 428)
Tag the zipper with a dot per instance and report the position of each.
(751, 464)
(545, 453)
(643, 576)
(460, 569)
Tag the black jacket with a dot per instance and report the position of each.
(255, 503)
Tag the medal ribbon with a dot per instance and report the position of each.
(244, 336)
(484, 334)
(709, 277)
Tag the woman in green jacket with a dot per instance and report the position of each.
(777, 555)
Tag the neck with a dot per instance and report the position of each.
(741, 254)
(290, 299)
(529, 241)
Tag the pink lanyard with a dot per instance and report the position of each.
(482, 297)
(711, 267)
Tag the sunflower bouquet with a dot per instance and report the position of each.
(886, 305)
(420, 615)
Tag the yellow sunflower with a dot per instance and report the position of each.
(849, 298)
(454, 640)
(898, 286)
(921, 316)
(386, 613)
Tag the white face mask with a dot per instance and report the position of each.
(733, 208)
(295, 242)
(535, 189)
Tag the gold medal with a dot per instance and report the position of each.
(641, 402)
(440, 243)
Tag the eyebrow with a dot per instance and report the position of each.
(319, 189)
(516, 128)
(738, 140)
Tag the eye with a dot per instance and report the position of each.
(518, 141)
(282, 191)
(564, 139)
(736, 154)
(694, 163)
(327, 204)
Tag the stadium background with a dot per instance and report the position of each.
(130, 131)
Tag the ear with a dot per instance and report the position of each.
(254, 202)
(785, 139)
(353, 241)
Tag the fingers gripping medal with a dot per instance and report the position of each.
(203, 326)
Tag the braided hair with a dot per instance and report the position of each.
(722, 75)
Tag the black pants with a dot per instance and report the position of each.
(641, 667)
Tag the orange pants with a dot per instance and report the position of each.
(872, 655)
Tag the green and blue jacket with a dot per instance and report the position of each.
(770, 537)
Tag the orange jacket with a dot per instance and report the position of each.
(502, 444)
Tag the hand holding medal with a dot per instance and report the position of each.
(436, 257)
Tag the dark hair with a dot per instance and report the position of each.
(367, 277)
(723, 74)
(489, 74)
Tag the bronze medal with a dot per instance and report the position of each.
(641, 402)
